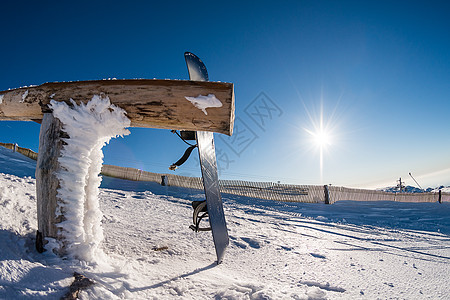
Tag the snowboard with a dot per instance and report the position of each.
(208, 163)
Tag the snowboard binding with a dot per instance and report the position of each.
(200, 212)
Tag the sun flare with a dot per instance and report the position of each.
(321, 135)
(322, 138)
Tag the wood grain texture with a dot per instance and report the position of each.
(148, 102)
(47, 184)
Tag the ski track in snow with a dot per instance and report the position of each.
(348, 250)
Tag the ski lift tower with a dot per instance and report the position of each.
(400, 184)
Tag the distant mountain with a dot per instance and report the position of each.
(445, 189)
(413, 189)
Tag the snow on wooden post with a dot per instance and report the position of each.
(169, 104)
(152, 103)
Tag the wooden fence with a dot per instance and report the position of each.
(263, 190)
(341, 193)
(24, 151)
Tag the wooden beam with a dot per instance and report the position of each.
(148, 102)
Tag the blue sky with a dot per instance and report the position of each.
(377, 71)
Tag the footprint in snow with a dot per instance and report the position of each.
(251, 242)
(286, 248)
(318, 255)
(240, 245)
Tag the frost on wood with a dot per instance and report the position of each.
(89, 127)
(24, 96)
(204, 102)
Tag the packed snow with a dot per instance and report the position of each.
(348, 250)
(204, 102)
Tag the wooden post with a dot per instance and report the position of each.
(327, 194)
(47, 184)
(163, 180)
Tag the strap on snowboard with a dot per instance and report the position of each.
(183, 159)
(185, 135)
(200, 212)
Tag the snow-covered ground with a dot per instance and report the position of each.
(348, 250)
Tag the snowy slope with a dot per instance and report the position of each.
(278, 250)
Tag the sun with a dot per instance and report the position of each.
(322, 138)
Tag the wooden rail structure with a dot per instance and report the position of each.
(148, 103)
(151, 103)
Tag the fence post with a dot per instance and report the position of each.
(327, 194)
(163, 180)
(47, 184)
(440, 196)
